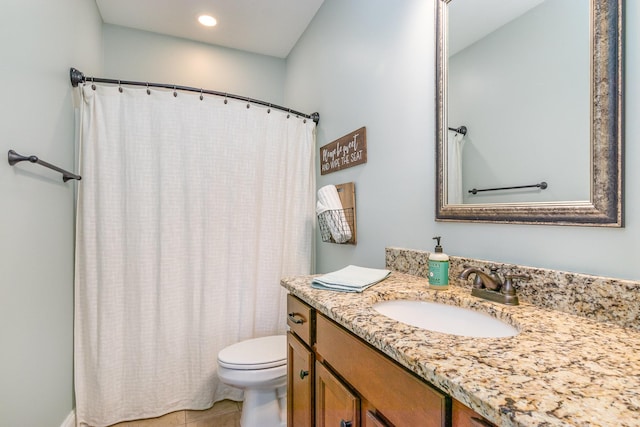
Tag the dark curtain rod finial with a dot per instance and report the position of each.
(76, 77)
(14, 158)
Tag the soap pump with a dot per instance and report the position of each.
(438, 267)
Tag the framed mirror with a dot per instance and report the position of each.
(529, 117)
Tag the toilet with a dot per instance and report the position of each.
(259, 367)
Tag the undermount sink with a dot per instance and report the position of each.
(444, 318)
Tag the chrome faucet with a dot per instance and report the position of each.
(491, 287)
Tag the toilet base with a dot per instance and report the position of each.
(264, 408)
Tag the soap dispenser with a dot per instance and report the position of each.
(438, 267)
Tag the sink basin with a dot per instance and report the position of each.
(444, 318)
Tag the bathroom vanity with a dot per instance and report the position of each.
(337, 379)
(352, 366)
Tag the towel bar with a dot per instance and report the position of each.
(14, 158)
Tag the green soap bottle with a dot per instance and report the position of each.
(438, 268)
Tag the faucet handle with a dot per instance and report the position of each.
(496, 285)
(508, 288)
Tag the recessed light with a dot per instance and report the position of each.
(207, 20)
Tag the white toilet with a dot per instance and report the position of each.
(259, 367)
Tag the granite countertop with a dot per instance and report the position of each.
(560, 370)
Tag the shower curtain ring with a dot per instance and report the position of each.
(289, 114)
(148, 90)
(201, 97)
(269, 109)
(93, 85)
(175, 94)
(119, 87)
(225, 98)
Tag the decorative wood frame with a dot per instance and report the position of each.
(605, 207)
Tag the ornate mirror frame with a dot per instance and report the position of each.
(605, 208)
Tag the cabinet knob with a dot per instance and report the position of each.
(344, 423)
(295, 319)
(303, 374)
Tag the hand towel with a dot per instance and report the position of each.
(350, 279)
(329, 208)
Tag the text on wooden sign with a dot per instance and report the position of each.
(345, 152)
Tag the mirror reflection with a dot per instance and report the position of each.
(518, 80)
(539, 90)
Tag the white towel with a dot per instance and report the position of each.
(350, 279)
(329, 207)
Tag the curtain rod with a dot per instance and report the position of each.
(461, 130)
(78, 77)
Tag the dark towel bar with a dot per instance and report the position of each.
(14, 158)
(541, 186)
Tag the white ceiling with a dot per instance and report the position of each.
(268, 27)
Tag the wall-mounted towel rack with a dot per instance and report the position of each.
(14, 158)
(461, 130)
(344, 220)
(543, 185)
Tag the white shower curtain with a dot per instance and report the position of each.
(455, 142)
(189, 213)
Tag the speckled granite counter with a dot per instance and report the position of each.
(561, 370)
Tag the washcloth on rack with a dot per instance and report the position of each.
(330, 207)
(350, 279)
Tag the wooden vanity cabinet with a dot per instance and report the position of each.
(300, 364)
(336, 404)
(466, 417)
(300, 383)
(390, 394)
(335, 379)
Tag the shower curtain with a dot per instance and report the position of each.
(455, 142)
(189, 213)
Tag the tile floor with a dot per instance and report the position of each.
(223, 414)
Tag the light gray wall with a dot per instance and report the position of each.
(362, 62)
(143, 56)
(525, 102)
(39, 40)
(371, 63)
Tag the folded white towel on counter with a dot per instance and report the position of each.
(329, 207)
(350, 279)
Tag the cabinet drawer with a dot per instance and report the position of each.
(300, 319)
(399, 396)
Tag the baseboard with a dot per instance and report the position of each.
(70, 421)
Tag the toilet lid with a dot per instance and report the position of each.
(257, 353)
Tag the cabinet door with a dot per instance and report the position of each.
(299, 383)
(400, 397)
(336, 406)
(461, 416)
(371, 419)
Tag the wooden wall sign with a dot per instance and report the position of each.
(350, 150)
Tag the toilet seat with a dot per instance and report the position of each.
(257, 353)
